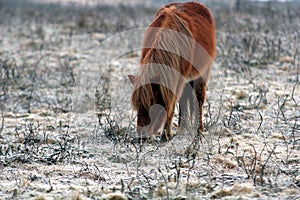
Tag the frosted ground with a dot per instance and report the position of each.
(66, 123)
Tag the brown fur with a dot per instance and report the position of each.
(179, 46)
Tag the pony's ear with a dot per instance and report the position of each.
(132, 78)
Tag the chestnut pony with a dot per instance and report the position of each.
(178, 51)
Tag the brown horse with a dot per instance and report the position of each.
(178, 50)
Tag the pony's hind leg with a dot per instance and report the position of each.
(200, 90)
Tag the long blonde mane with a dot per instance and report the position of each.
(163, 62)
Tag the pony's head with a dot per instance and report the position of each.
(147, 99)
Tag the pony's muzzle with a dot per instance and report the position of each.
(157, 115)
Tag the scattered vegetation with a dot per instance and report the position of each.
(52, 143)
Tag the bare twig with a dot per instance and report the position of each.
(260, 123)
(166, 182)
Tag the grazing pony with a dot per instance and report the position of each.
(178, 51)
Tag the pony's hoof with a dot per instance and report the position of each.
(139, 140)
(165, 138)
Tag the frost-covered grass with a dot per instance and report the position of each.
(66, 125)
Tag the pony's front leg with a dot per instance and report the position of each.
(167, 132)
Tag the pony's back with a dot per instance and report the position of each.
(193, 20)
